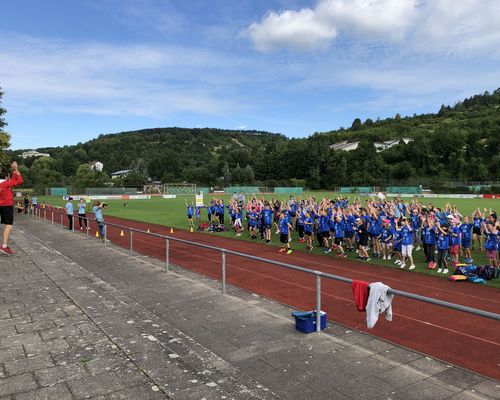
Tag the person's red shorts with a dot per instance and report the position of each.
(454, 249)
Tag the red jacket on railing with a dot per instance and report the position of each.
(6, 194)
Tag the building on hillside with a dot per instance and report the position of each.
(96, 166)
(120, 174)
(387, 144)
(33, 153)
(344, 145)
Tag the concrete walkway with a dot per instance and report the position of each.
(82, 321)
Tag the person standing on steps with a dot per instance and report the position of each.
(82, 215)
(70, 212)
(98, 213)
(7, 205)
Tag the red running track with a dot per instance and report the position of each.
(458, 338)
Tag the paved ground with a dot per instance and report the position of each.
(81, 321)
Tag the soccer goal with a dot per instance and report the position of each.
(179, 188)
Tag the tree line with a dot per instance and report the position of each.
(459, 142)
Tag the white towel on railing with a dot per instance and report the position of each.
(378, 302)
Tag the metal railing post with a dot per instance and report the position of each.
(105, 236)
(131, 241)
(318, 303)
(223, 272)
(44, 214)
(61, 221)
(167, 254)
(87, 226)
(52, 218)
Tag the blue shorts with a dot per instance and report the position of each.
(466, 244)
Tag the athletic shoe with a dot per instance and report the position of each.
(397, 262)
(311, 249)
(281, 250)
(429, 265)
(388, 257)
(367, 259)
(106, 240)
(6, 250)
(445, 271)
(412, 266)
(326, 251)
(418, 248)
(342, 255)
(384, 258)
(403, 265)
(277, 232)
(440, 270)
(289, 251)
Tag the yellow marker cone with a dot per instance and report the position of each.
(191, 230)
(96, 233)
(171, 230)
(121, 233)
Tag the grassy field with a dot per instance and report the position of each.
(172, 213)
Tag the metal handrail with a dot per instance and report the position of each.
(318, 274)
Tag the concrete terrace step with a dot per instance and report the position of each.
(175, 362)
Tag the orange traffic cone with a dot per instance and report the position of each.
(148, 231)
(121, 233)
(96, 233)
(171, 230)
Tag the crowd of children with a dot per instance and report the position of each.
(380, 228)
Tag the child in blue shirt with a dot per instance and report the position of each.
(386, 237)
(406, 232)
(466, 239)
(443, 243)
(252, 223)
(308, 230)
(190, 213)
(268, 214)
(428, 235)
(285, 228)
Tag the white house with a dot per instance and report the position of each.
(96, 166)
(33, 153)
(344, 145)
(387, 144)
(120, 174)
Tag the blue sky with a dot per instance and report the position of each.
(72, 70)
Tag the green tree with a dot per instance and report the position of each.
(226, 173)
(87, 177)
(134, 178)
(4, 136)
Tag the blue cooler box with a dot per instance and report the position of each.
(306, 321)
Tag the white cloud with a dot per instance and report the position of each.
(303, 29)
(425, 25)
(95, 78)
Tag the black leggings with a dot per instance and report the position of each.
(442, 258)
(429, 252)
(82, 217)
(301, 231)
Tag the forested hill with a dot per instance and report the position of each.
(460, 142)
